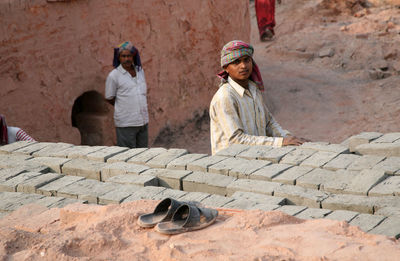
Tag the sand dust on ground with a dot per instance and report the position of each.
(93, 232)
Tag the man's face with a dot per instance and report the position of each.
(126, 58)
(240, 69)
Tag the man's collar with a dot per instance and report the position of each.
(122, 69)
(239, 89)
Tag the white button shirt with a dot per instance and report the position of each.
(130, 107)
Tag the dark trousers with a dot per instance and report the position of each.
(133, 137)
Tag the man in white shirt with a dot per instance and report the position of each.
(126, 90)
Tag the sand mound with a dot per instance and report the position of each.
(82, 232)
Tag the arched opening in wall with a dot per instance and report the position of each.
(90, 115)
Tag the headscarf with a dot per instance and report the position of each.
(3, 131)
(233, 51)
(127, 46)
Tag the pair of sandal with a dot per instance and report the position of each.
(173, 217)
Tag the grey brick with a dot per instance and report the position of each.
(319, 159)
(146, 155)
(55, 164)
(265, 207)
(169, 178)
(233, 150)
(104, 154)
(353, 182)
(29, 150)
(181, 162)
(324, 146)
(224, 166)
(10, 201)
(169, 193)
(291, 209)
(10, 160)
(162, 160)
(255, 152)
(365, 162)
(118, 195)
(390, 186)
(247, 167)
(357, 203)
(83, 168)
(297, 156)
(269, 172)
(76, 152)
(9, 148)
(388, 211)
(206, 182)
(126, 155)
(240, 204)
(132, 179)
(342, 215)
(119, 168)
(11, 184)
(290, 176)
(314, 213)
(301, 196)
(342, 161)
(389, 227)
(380, 149)
(315, 178)
(362, 138)
(366, 222)
(390, 165)
(145, 193)
(257, 186)
(8, 173)
(195, 196)
(67, 201)
(216, 201)
(86, 189)
(52, 148)
(259, 198)
(276, 154)
(51, 188)
(387, 138)
(31, 185)
(203, 163)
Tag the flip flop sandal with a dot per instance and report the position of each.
(188, 218)
(163, 212)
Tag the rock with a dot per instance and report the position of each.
(326, 52)
(377, 74)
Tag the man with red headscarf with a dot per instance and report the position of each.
(126, 90)
(265, 12)
(238, 114)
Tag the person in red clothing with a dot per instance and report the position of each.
(265, 12)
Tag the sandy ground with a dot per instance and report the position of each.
(322, 98)
(82, 232)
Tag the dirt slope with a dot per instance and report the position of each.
(332, 71)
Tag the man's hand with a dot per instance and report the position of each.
(292, 140)
(279, 1)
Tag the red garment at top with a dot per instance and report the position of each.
(265, 12)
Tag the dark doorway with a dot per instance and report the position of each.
(89, 115)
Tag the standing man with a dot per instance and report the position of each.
(126, 90)
(238, 114)
(265, 12)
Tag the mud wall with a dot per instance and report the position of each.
(56, 55)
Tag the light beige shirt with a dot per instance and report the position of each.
(239, 116)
